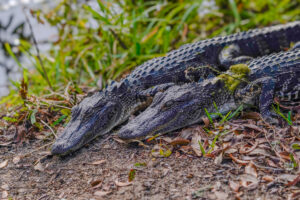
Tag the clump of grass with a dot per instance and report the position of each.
(287, 118)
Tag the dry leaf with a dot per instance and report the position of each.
(260, 151)
(5, 144)
(287, 177)
(206, 121)
(247, 148)
(180, 141)
(122, 184)
(251, 169)
(294, 182)
(186, 133)
(268, 178)
(4, 194)
(254, 127)
(242, 162)
(98, 162)
(218, 160)
(39, 167)
(195, 144)
(285, 155)
(3, 164)
(101, 193)
(231, 150)
(221, 195)
(234, 186)
(96, 183)
(5, 187)
(249, 181)
(16, 159)
(251, 115)
(271, 163)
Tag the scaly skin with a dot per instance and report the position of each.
(180, 106)
(98, 114)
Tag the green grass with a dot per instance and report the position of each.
(287, 118)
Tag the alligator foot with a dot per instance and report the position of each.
(265, 87)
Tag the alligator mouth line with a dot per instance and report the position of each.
(161, 127)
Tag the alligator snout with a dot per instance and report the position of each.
(126, 134)
(58, 148)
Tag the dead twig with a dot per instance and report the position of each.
(37, 50)
(49, 128)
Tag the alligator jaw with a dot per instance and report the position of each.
(93, 117)
(179, 107)
(73, 138)
(147, 123)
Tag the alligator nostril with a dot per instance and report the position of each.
(57, 148)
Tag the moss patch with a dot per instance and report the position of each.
(240, 69)
(238, 72)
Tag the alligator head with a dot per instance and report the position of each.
(178, 107)
(94, 116)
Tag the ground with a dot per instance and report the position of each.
(101, 170)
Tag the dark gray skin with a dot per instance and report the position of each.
(178, 107)
(100, 113)
(181, 106)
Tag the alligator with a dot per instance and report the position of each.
(276, 75)
(100, 113)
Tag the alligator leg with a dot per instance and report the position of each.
(231, 55)
(265, 87)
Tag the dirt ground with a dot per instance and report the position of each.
(101, 170)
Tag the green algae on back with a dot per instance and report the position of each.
(238, 73)
(241, 69)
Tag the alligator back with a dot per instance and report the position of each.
(277, 64)
(254, 43)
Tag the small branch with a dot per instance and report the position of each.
(119, 39)
(49, 128)
(37, 49)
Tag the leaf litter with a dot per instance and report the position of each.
(262, 155)
(268, 154)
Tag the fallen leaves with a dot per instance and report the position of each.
(96, 183)
(4, 194)
(122, 184)
(295, 181)
(101, 193)
(16, 159)
(98, 162)
(251, 169)
(235, 186)
(39, 167)
(3, 164)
